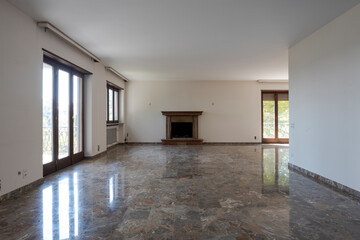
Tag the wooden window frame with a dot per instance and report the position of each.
(114, 88)
(73, 158)
(276, 139)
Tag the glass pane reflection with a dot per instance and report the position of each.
(275, 169)
(113, 188)
(76, 205)
(283, 156)
(268, 166)
(64, 209)
(61, 201)
(47, 214)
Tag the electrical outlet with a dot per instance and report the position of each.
(98, 148)
(255, 137)
(0, 185)
(19, 173)
(25, 174)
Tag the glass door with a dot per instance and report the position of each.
(63, 119)
(275, 116)
(77, 119)
(62, 116)
(48, 117)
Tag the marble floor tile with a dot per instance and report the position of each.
(181, 192)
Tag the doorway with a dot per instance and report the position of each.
(275, 116)
(63, 120)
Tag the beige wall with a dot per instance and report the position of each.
(324, 101)
(232, 109)
(21, 43)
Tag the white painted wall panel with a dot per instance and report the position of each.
(324, 101)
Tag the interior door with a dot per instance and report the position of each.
(275, 116)
(62, 116)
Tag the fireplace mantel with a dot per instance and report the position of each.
(182, 116)
(181, 113)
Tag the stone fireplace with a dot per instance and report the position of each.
(182, 128)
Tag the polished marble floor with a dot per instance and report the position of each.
(181, 192)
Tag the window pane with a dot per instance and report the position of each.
(111, 94)
(47, 113)
(283, 119)
(116, 102)
(63, 98)
(107, 104)
(77, 101)
(268, 116)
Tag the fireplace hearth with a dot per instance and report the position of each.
(182, 128)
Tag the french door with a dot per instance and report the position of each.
(275, 116)
(62, 116)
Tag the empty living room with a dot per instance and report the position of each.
(179, 119)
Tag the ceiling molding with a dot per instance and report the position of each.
(49, 26)
(272, 81)
(117, 73)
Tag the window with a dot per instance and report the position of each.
(62, 115)
(275, 116)
(112, 104)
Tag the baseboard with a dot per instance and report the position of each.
(326, 182)
(207, 143)
(142, 143)
(15, 193)
(232, 143)
(113, 146)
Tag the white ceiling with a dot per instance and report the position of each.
(189, 39)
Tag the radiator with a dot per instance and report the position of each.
(111, 136)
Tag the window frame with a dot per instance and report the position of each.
(59, 64)
(276, 139)
(116, 89)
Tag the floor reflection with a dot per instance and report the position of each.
(275, 172)
(76, 204)
(64, 209)
(61, 209)
(67, 209)
(113, 188)
(47, 213)
(181, 192)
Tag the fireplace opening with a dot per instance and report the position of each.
(181, 130)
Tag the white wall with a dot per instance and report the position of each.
(21, 57)
(324, 101)
(234, 117)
